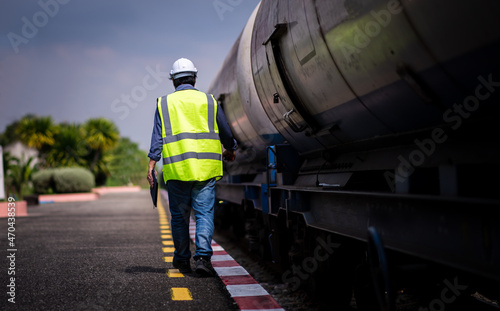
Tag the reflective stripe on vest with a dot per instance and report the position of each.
(201, 152)
(192, 155)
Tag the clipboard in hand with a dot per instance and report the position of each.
(154, 189)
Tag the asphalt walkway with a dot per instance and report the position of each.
(106, 254)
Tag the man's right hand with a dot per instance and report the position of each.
(151, 169)
(150, 178)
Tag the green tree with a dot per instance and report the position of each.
(96, 145)
(128, 164)
(18, 174)
(36, 132)
(101, 135)
(10, 134)
(69, 147)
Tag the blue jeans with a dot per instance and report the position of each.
(200, 195)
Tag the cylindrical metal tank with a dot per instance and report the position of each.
(235, 90)
(324, 73)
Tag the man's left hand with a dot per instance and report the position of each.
(229, 155)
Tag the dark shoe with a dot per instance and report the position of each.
(182, 265)
(204, 266)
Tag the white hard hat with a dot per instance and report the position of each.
(182, 67)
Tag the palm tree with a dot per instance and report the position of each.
(36, 132)
(68, 148)
(19, 173)
(101, 135)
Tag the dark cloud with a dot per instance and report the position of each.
(91, 53)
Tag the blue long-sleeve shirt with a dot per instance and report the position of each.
(225, 134)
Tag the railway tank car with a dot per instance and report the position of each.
(370, 125)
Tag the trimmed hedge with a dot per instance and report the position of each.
(73, 179)
(63, 180)
(43, 181)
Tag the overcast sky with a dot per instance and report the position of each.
(74, 59)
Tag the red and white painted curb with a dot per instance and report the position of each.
(242, 287)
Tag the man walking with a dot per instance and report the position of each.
(188, 130)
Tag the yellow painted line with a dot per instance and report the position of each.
(168, 249)
(174, 273)
(165, 231)
(159, 203)
(168, 259)
(168, 242)
(166, 236)
(165, 227)
(181, 293)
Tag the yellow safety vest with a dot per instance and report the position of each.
(191, 144)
